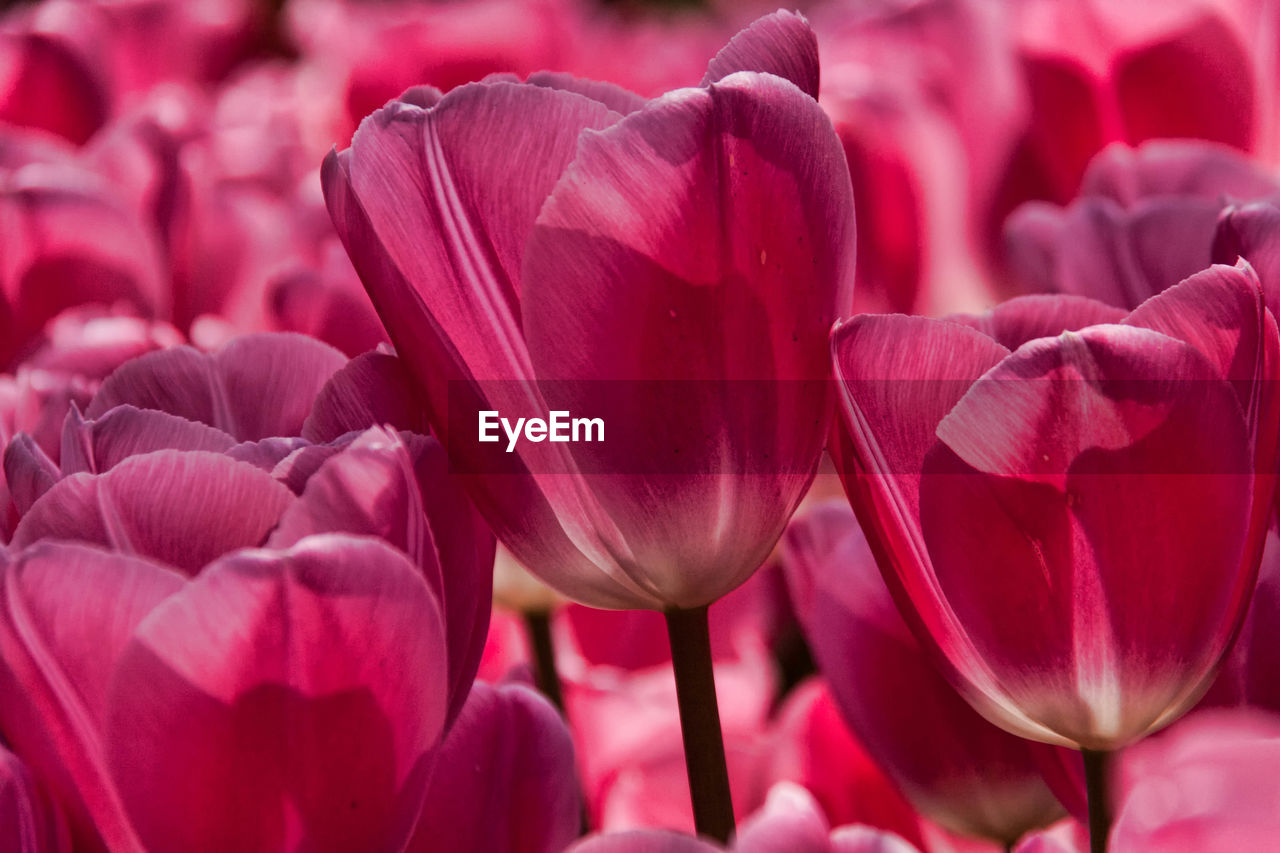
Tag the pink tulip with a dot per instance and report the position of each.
(243, 715)
(1100, 72)
(954, 766)
(928, 103)
(1207, 784)
(503, 780)
(68, 612)
(1144, 220)
(415, 198)
(978, 511)
(48, 83)
(69, 241)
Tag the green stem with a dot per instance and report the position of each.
(1097, 766)
(700, 723)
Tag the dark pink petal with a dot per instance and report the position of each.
(621, 101)
(369, 488)
(374, 389)
(28, 471)
(782, 44)
(898, 377)
(721, 219)
(955, 767)
(1025, 318)
(464, 547)
(269, 453)
(29, 821)
(45, 83)
(282, 700)
(97, 446)
(504, 779)
(1252, 232)
(1175, 167)
(644, 841)
(447, 176)
(68, 612)
(295, 469)
(226, 389)
(1071, 434)
(70, 241)
(183, 508)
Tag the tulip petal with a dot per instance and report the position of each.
(183, 508)
(782, 44)
(373, 389)
(697, 252)
(226, 389)
(294, 695)
(621, 101)
(68, 612)
(29, 822)
(28, 471)
(97, 446)
(504, 779)
(1073, 433)
(1025, 318)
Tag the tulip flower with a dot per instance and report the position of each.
(955, 767)
(1009, 498)
(1145, 219)
(503, 780)
(928, 103)
(699, 244)
(1101, 72)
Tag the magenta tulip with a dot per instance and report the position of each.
(1145, 218)
(1010, 498)
(503, 781)
(714, 275)
(955, 767)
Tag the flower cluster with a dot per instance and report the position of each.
(925, 354)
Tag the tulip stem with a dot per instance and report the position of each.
(700, 723)
(1097, 767)
(537, 625)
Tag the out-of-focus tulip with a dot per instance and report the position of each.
(1067, 836)
(812, 746)
(29, 822)
(1209, 783)
(721, 220)
(69, 241)
(47, 83)
(789, 821)
(1101, 72)
(954, 766)
(1010, 498)
(503, 780)
(928, 103)
(1145, 219)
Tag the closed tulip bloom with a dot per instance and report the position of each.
(955, 767)
(1073, 528)
(672, 270)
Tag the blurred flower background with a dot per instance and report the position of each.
(246, 603)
